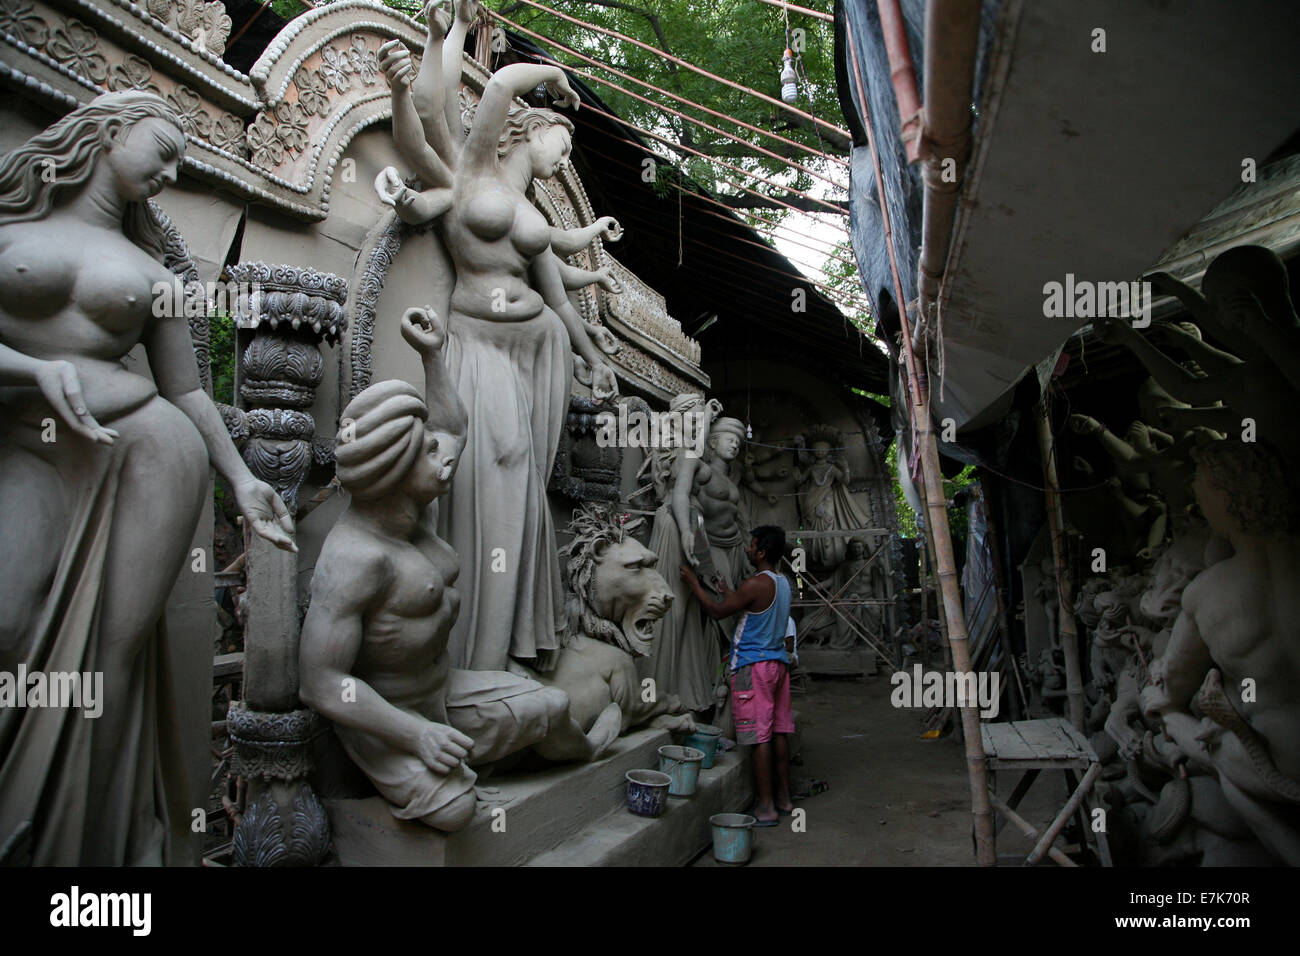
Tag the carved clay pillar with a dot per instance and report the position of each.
(291, 311)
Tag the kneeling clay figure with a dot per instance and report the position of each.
(373, 657)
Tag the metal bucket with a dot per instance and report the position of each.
(683, 765)
(647, 792)
(733, 837)
(705, 739)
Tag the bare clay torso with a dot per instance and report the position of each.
(80, 293)
(718, 498)
(403, 647)
(1247, 618)
(493, 234)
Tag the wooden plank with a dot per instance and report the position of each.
(1045, 763)
(1007, 744)
(1043, 739)
(1080, 741)
(227, 665)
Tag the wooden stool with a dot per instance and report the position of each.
(1034, 746)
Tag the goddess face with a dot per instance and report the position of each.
(145, 158)
(548, 150)
(820, 450)
(726, 445)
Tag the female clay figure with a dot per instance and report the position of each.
(822, 476)
(103, 473)
(685, 658)
(703, 485)
(512, 333)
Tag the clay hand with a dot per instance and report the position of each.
(442, 748)
(603, 338)
(436, 14)
(466, 10)
(610, 230)
(607, 281)
(265, 513)
(61, 386)
(392, 191)
(688, 549)
(603, 383)
(1085, 425)
(562, 93)
(424, 330)
(395, 61)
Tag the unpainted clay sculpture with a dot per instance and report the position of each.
(822, 476)
(103, 473)
(616, 598)
(374, 654)
(703, 486)
(686, 652)
(512, 329)
(1234, 649)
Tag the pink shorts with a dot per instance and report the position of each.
(760, 702)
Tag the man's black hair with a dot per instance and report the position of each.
(771, 541)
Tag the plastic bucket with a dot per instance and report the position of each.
(682, 764)
(647, 792)
(733, 837)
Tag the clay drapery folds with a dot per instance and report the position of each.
(103, 473)
(513, 333)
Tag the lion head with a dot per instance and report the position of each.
(615, 594)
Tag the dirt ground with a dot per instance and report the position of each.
(894, 799)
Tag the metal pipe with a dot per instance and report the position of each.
(951, 42)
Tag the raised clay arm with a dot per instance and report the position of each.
(683, 480)
(426, 332)
(453, 57)
(568, 241)
(489, 120)
(1171, 376)
(409, 133)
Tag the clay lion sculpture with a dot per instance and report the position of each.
(615, 599)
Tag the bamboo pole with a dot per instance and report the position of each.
(1051, 833)
(1068, 634)
(999, 591)
(976, 763)
(1029, 830)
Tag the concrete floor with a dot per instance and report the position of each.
(894, 799)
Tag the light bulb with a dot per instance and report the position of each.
(789, 88)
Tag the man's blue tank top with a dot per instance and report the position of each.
(760, 635)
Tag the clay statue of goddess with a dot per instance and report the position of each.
(102, 473)
(512, 330)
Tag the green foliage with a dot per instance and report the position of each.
(907, 526)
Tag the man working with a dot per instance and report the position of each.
(760, 676)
